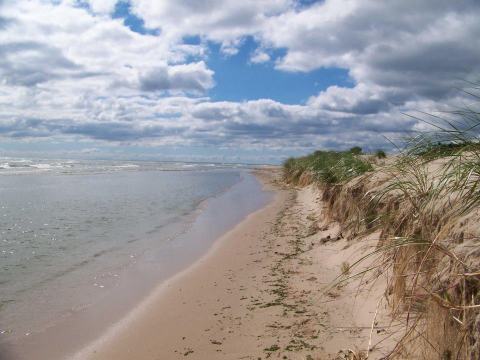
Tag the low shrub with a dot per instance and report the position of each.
(380, 154)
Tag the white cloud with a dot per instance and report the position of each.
(259, 56)
(421, 46)
(224, 21)
(102, 6)
(361, 99)
(193, 77)
(68, 72)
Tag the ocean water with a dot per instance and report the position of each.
(71, 230)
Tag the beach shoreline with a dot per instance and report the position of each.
(164, 301)
(266, 288)
(259, 292)
(212, 217)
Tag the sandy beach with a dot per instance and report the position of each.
(262, 291)
(275, 179)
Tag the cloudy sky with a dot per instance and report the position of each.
(226, 80)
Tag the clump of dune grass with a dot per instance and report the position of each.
(440, 278)
(434, 283)
(326, 167)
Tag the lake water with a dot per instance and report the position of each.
(72, 233)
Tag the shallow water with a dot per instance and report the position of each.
(90, 240)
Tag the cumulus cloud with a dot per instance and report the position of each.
(30, 63)
(190, 77)
(102, 6)
(74, 71)
(259, 56)
(360, 100)
(224, 21)
(420, 48)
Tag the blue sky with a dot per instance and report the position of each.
(239, 79)
(223, 80)
(123, 11)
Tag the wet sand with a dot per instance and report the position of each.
(264, 290)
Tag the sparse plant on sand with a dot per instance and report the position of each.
(345, 268)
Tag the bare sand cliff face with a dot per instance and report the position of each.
(269, 288)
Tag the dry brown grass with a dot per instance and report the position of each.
(426, 204)
(424, 242)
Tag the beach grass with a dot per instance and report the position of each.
(432, 191)
(327, 167)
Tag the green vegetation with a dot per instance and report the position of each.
(356, 150)
(380, 154)
(328, 167)
(425, 147)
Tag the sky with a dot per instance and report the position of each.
(227, 80)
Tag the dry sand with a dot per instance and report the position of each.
(264, 290)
